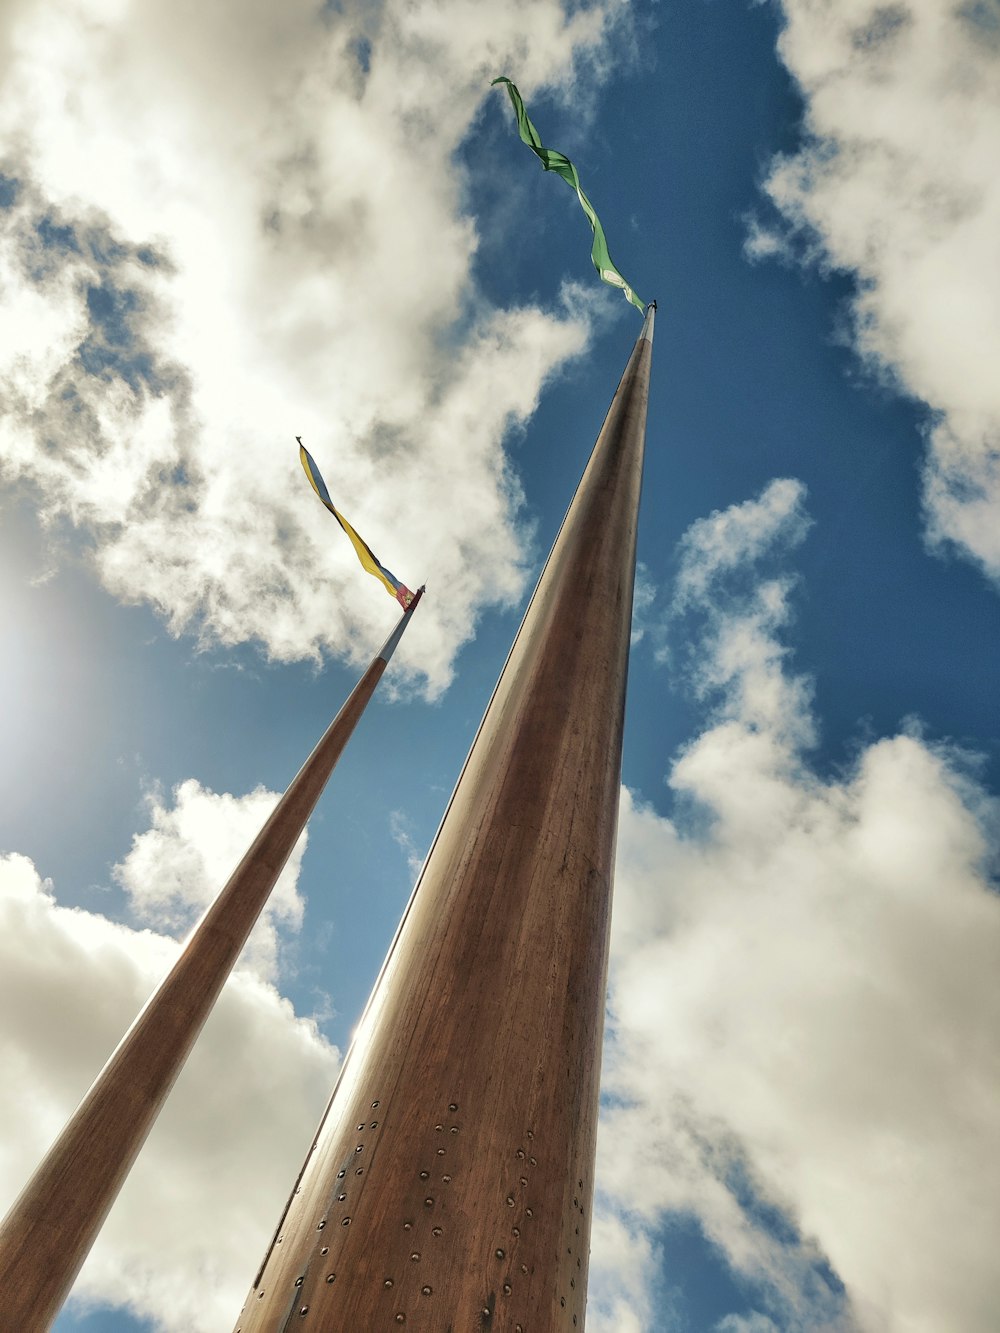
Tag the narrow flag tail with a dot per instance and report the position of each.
(366, 555)
(555, 161)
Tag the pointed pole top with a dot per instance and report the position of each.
(647, 328)
(389, 647)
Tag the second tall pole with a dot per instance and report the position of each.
(51, 1227)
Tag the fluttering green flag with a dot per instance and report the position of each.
(552, 160)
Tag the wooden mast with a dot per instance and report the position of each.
(449, 1185)
(51, 1227)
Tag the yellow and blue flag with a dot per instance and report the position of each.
(366, 555)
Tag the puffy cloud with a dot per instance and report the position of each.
(175, 869)
(805, 1001)
(623, 1260)
(736, 537)
(736, 659)
(214, 1173)
(896, 182)
(235, 225)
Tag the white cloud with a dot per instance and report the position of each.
(896, 182)
(401, 831)
(236, 225)
(621, 1279)
(738, 536)
(736, 660)
(201, 1201)
(805, 1001)
(176, 868)
(643, 597)
(754, 1323)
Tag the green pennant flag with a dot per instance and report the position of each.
(554, 161)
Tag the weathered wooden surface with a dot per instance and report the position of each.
(449, 1187)
(49, 1230)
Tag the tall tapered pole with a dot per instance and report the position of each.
(48, 1232)
(449, 1185)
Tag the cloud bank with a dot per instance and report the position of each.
(223, 228)
(805, 997)
(896, 182)
(198, 1208)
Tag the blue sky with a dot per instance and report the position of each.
(247, 227)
